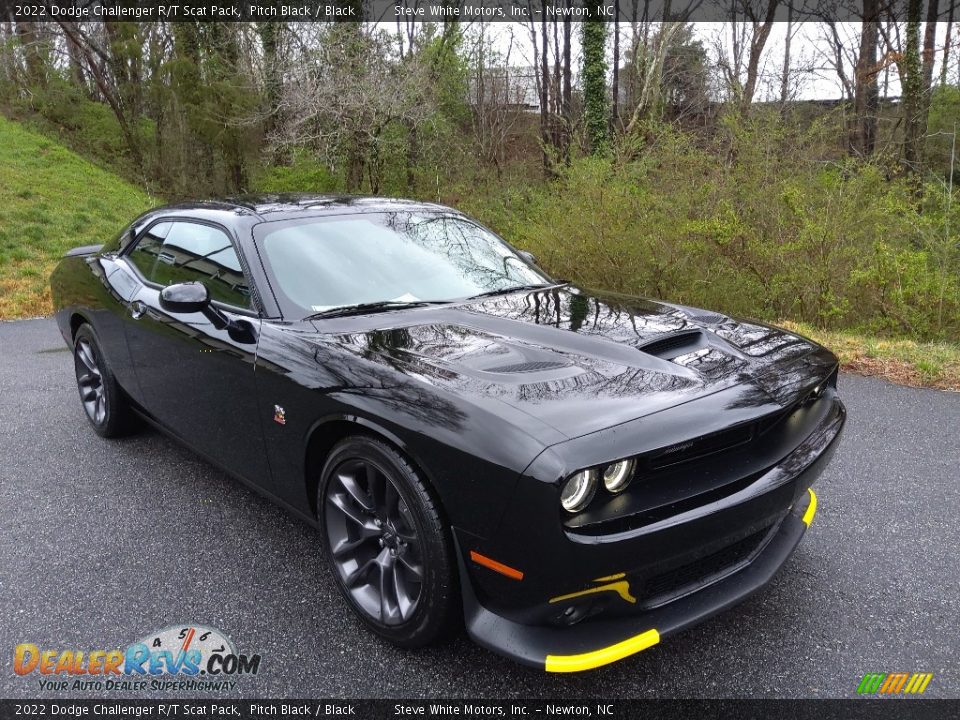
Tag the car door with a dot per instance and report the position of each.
(193, 378)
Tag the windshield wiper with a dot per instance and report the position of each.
(515, 288)
(371, 307)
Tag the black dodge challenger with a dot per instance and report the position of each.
(573, 474)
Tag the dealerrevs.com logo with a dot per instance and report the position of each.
(180, 657)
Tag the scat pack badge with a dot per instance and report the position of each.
(279, 415)
(179, 657)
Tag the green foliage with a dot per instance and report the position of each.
(769, 233)
(443, 53)
(942, 128)
(208, 141)
(303, 174)
(50, 201)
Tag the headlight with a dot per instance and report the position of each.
(616, 477)
(578, 490)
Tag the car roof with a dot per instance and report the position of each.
(291, 205)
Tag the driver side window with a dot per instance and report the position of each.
(181, 251)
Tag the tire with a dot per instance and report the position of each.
(387, 546)
(104, 403)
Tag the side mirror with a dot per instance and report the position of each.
(192, 297)
(528, 256)
(184, 298)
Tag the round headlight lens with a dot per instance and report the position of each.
(578, 490)
(616, 477)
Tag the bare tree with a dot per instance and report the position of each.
(649, 64)
(841, 57)
(497, 96)
(750, 26)
(342, 95)
(100, 55)
(761, 21)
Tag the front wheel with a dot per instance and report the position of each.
(387, 545)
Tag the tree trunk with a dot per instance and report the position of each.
(595, 80)
(929, 47)
(946, 43)
(544, 92)
(866, 96)
(355, 165)
(270, 41)
(567, 89)
(785, 74)
(615, 90)
(125, 47)
(412, 156)
(233, 140)
(761, 32)
(76, 65)
(912, 88)
(557, 94)
(9, 60)
(33, 59)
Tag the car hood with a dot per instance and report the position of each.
(581, 361)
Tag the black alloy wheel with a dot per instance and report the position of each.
(373, 542)
(105, 404)
(90, 382)
(386, 543)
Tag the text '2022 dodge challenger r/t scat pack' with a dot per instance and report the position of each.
(572, 474)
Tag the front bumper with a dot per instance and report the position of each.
(600, 642)
(629, 623)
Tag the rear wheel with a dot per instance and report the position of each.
(107, 408)
(386, 543)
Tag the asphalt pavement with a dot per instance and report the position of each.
(102, 542)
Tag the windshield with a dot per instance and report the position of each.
(319, 264)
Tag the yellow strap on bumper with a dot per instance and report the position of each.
(603, 656)
(811, 508)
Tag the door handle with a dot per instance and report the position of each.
(137, 309)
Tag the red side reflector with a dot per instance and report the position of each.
(495, 566)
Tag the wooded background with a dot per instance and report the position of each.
(639, 157)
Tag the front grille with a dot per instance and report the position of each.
(710, 568)
(703, 445)
(699, 471)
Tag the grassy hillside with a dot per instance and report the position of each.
(50, 201)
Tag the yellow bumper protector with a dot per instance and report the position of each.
(621, 588)
(603, 656)
(811, 508)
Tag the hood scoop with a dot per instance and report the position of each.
(706, 317)
(675, 345)
(526, 367)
